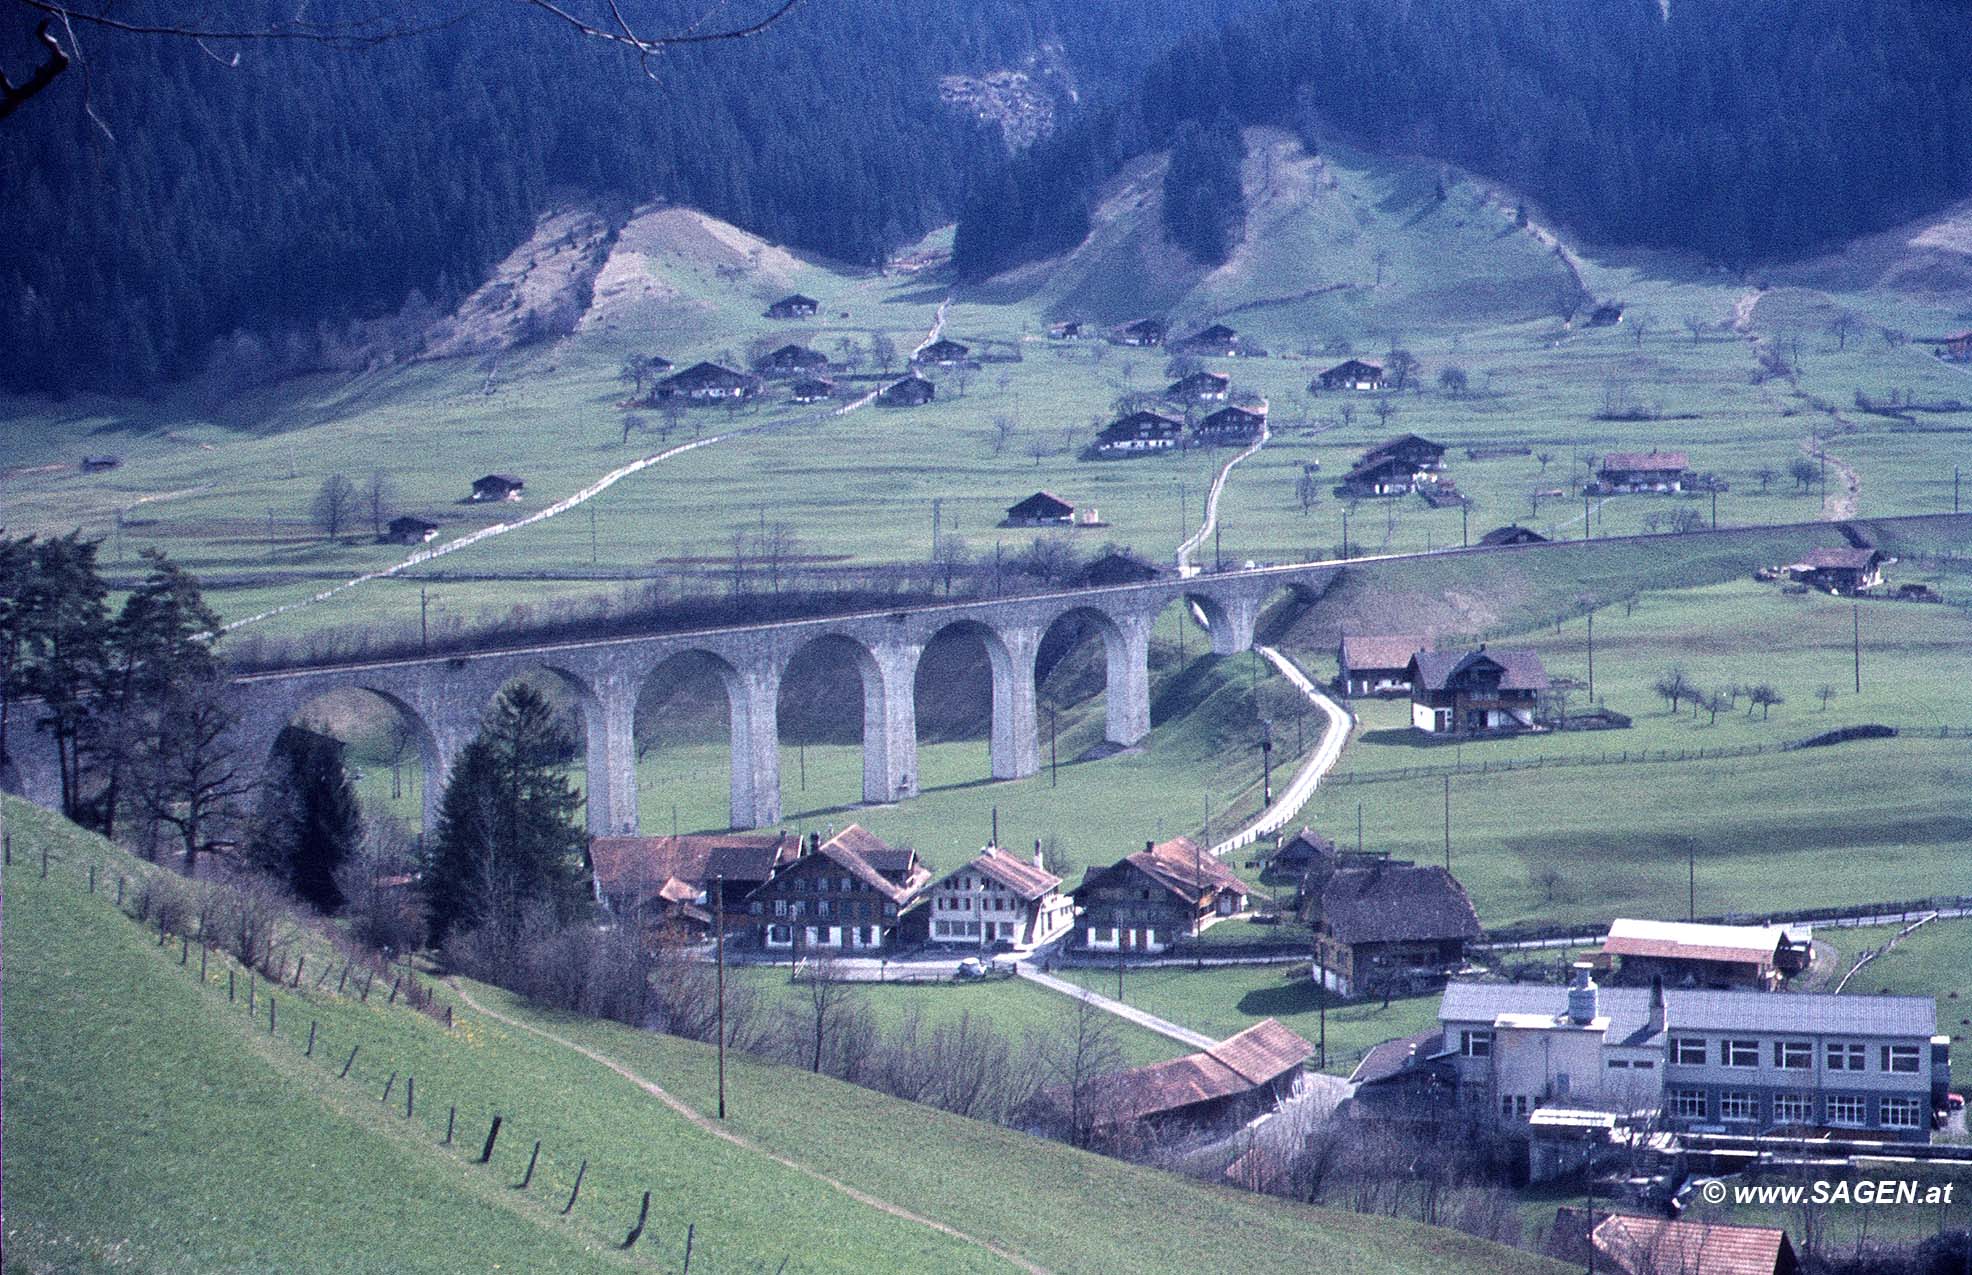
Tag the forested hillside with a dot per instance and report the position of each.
(1745, 132)
(309, 185)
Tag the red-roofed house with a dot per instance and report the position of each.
(1000, 898)
(1643, 471)
(1233, 1080)
(659, 875)
(1625, 1244)
(1377, 663)
(845, 893)
(1146, 901)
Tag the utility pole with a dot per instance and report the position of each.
(1053, 780)
(1345, 531)
(1465, 523)
(1715, 508)
(1691, 880)
(424, 626)
(1218, 547)
(719, 948)
(1856, 621)
(1448, 823)
(1266, 747)
(1588, 530)
(1359, 827)
(995, 840)
(592, 533)
(1591, 656)
(937, 522)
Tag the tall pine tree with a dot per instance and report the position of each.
(310, 820)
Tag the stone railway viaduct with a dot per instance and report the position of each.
(444, 697)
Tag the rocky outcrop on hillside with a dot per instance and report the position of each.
(1024, 103)
(540, 291)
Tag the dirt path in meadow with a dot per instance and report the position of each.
(718, 1130)
(1842, 505)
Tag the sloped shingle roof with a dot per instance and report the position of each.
(1519, 670)
(1255, 1057)
(1647, 462)
(1011, 871)
(1397, 905)
(1381, 650)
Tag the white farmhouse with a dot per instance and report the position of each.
(1000, 898)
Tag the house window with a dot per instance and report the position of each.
(1689, 1104)
(1845, 1058)
(1793, 1055)
(821, 907)
(1619, 1064)
(780, 907)
(1646, 1064)
(1514, 1106)
(1897, 1113)
(822, 885)
(754, 907)
(1739, 1053)
(1739, 1104)
(1848, 1109)
(1475, 1044)
(1688, 1051)
(780, 935)
(1900, 1058)
(1793, 1108)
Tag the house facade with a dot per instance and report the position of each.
(1199, 387)
(793, 360)
(1475, 692)
(1704, 1061)
(1233, 1081)
(1395, 467)
(1957, 347)
(1230, 425)
(1844, 571)
(1682, 954)
(497, 487)
(1217, 340)
(1143, 332)
(1512, 534)
(707, 383)
(1000, 898)
(942, 353)
(811, 390)
(632, 875)
(793, 307)
(1138, 433)
(1149, 900)
(1643, 471)
(909, 391)
(1042, 509)
(409, 530)
(1387, 926)
(844, 894)
(1377, 663)
(1355, 374)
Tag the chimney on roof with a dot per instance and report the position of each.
(1657, 1002)
(813, 843)
(1581, 996)
(1149, 845)
(1039, 861)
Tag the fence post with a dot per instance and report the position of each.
(448, 1018)
(531, 1158)
(340, 978)
(184, 950)
(92, 878)
(388, 1085)
(349, 1060)
(229, 986)
(690, 1229)
(637, 1231)
(451, 1117)
(250, 991)
(393, 990)
(310, 1051)
(410, 1095)
(323, 977)
(577, 1190)
(299, 961)
(270, 1013)
(202, 952)
(119, 889)
(44, 863)
(486, 1152)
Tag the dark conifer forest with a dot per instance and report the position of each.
(1740, 131)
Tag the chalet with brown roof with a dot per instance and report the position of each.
(1354, 374)
(1217, 340)
(1475, 692)
(1139, 433)
(1199, 387)
(1230, 425)
(1118, 567)
(493, 487)
(942, 353)
(1292, 859)
(794, 307)
(1388, 926)
(1377, 663)
(1042, 509)
(1627, 1244)
(1956, 347)
(792, 360)
(1643, 471)
(409, 530)
(1231, 1082)
(1149, 900)
(811, 390)
(1068, 330)
(707, 383)
(1843, 571)
(909, 391)
(1000, 900)
(845, 894)
(658, 875)
(1143, 332)
(1512, 534)
(1395, 467)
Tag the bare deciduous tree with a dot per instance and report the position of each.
(1075, 1056)
(380, 499)
(335, 505)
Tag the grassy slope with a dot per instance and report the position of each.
(309, 1164)
(1935, 961)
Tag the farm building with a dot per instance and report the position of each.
(1682, 954)
(1395, 467)
(1000, 898)
(1233, 1081)
(792, 360)
(942, 353)
(1231, 425)
(1143, 332)
(845, 893)
(1387, 926)
(1355, 374)
(1139, 432)
(408, 530)
(1199, 387)
(1118, 568)
(100, 463)
(660, 875)
(1216, 340)
(1513, 534)
(1643, 471)
(793, 307)
(811, 390)
(707, 383)
(1376, 663)
(1845, 571)
(497, 487)
(1146, 901)
(1475, 692)
(1626, 1244)
(1071, 330)
(1295, 855)
(1606, 315)
(1723, 1062)
(909, 391)
(1956, 347)
(1042, 509)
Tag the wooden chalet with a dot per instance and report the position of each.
(1643, 471)
(707, 383)
(1420, 453)
(1606, 315)
(1229, 1083)
(1682, 954)
(793, 360)
(1143, 332)
(1070, 330)
(1395, 467)
(1376, 663)
(1230, 425)
(1295, 856)
(1118, 567)
(908, 391)
(1042, 509)
(844, 894)
(1000, 899)
(676, 878)
(1512, 534)
(1355, 374)
(1147, 901)
(408, 530)
(942, 353)
(1956, 347)
(1199, 387)
(1217, 340)
(1140, 432)
(657, 364)
(497, 487)
(1385, 926)
(1475, 692)
(811, 390)
(1628, 1244)
(1843, 571)
(794, 307)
